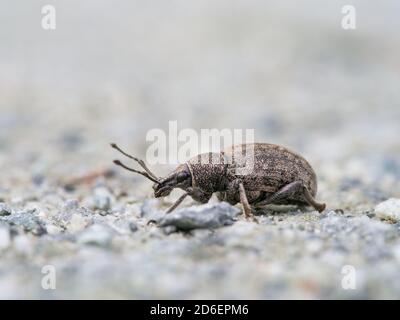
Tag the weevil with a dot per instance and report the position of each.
(255, 175)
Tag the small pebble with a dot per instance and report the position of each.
(77, 223)
(53, 230)
(5, 210)
(102, 199)
(28, 220)
(133, 227)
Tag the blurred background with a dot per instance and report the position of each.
(113, 70)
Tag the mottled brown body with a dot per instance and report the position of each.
(274, 167)
(254, 174)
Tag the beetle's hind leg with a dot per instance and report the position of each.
(288, 191)
(310, 199)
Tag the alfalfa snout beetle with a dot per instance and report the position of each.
(278, 176)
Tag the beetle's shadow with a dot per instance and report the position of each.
(274, 209)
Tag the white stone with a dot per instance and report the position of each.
(77, 223)
(53, 230)
(389, 209)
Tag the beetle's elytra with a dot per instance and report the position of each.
(277, 176)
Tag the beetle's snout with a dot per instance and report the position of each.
(161, 189)
(179, 178)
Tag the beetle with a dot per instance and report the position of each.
(255, 174)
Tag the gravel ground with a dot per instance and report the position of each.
(111, 72)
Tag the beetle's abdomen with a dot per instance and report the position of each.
(269, 167)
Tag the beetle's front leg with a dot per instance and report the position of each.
(198, 195)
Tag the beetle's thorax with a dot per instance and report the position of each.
(208, 171)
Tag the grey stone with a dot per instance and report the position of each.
(28, 221)
(207, 216)
(133, 226)
(5, 210)
(96, 234)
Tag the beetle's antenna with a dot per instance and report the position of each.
(145, 174)
(141, 162)
(177, 203)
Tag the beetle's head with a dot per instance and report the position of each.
(179, 178)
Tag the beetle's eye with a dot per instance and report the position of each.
(182, 176)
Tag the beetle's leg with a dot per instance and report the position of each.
(282, 194)
(197, 195)
(177, 203)
(310, 199)
(288, 191)
(245, 203)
